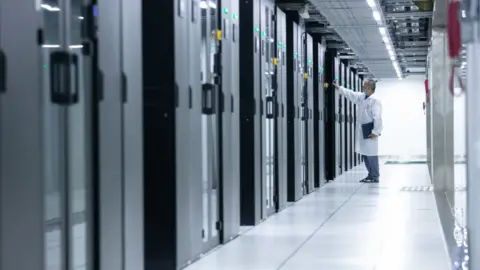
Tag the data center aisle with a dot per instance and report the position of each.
(345, 225)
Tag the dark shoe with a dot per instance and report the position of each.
(365, 180)
(375, 181)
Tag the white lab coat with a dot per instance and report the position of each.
(368, 110)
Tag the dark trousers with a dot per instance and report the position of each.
(371, 162)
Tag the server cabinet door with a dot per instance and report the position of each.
(230, 121)
(68, 134)
(280, 125)
(25, 234)
(310, 145)
(302, 98)
(337, 120)
(107, 73)
(322, 111)
(210, 67)
(297, 111)
(268, 107)
(196, 54)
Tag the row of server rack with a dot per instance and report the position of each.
(142, 134)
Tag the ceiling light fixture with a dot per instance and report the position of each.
(385, 36)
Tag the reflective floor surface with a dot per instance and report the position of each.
(345, 225)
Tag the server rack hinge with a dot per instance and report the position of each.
(3, 72)
(176, 95)
(100, 84)
(86, 48)
(124, 88)
(219, 226)
(221, 101)
(40, 37)
(232, 103)
(190, 98)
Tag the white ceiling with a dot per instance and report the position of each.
(354, 22)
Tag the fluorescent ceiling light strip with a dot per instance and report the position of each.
(58, 46)
(371, 3)
(376, 16)
(49, 8)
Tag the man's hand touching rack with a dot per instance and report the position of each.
(336, 85)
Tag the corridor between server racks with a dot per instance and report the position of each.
(346, 225)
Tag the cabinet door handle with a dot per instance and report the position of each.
(3, 72)
(61, 89)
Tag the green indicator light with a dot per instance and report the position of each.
(279, 43)
(225, 10)
(284, 46)
(263, 34)
(235, 16)
(294, 53)
(257, 29)
(45, 66)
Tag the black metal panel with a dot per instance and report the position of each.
(160, 226)
(291, 74)
(317, 87)
(250, 213)
(330, 72)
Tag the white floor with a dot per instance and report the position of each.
(345, 225)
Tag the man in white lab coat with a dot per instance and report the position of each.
(369, 109)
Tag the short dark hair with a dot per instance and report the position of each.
(372, 83)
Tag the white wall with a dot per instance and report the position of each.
(404, 120)
(459, 132)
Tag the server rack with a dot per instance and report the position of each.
(294, 86)
(309, 147)
(281, 115)
(331, 117)
(346, 124)
(337, 108)
(268, 108)
(351, 153)
(229, 225)
(189, 122)
(341, 112)
(250, 117)
(24, 92)
(117, 65)
(319, 114)
(300, 104)
(360, 88)
(294, 192)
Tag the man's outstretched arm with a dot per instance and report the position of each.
(355, 97)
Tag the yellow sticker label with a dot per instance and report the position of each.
(275, 61)
(305, 75)
(325, 85)
(219, 34)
